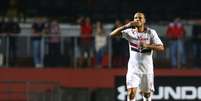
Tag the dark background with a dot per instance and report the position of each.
(108, 10)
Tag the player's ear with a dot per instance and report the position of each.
(144, 18)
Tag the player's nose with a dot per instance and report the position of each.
(137, 19)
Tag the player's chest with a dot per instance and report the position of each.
(139, 37)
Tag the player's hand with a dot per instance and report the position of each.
(131, 24)
(143, 45)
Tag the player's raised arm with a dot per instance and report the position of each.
(117, 31)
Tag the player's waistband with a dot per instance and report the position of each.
(141, 51)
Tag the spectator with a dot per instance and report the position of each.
(13, 29)
(38, 28)
(117, 52)
(1, 41)
(86, 30)
(196, 44)
(100, 43)
(54, 40)
(4, 38)
(4, 24)
(1, 24)
(176, 33)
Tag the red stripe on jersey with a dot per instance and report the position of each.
(134, 45)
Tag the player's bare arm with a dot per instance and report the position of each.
(117, 31)
(157, 47)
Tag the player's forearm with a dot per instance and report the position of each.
(117, 31)
(155, 47)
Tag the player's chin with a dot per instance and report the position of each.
(139, 25)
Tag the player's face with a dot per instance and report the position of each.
(139, 18)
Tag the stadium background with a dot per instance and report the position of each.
(63, 79)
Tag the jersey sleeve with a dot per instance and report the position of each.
(155, 38)
(124, 33)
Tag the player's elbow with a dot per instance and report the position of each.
(111, 35)
(116, 34)
(161, 48)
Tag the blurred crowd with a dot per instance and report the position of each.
(93, 48)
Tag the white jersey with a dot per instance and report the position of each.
(140, 61)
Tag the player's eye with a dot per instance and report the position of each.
(137, 17)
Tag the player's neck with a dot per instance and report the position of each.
(140, 29)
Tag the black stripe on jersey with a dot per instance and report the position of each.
(141, 51)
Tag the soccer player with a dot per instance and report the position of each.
(142, 41)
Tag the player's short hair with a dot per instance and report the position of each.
(141, 12)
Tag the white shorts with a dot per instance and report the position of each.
(145, 82)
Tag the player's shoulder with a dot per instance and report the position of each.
(128, 30)
(151, 30)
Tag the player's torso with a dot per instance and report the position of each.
(140, 59)
(135, 40)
